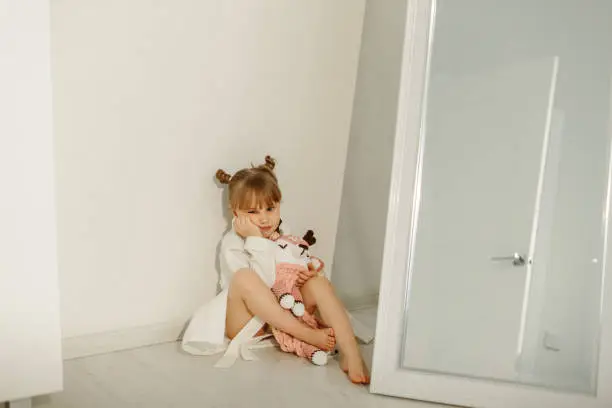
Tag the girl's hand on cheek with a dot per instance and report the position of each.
(245, 228)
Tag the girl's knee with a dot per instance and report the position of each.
(320, 281)
(243, 278)
(314, 288)
(244, 273)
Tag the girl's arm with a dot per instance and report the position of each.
(255, 253)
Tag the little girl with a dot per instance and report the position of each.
(246, 303)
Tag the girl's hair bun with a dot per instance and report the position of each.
(270, 163)
(223, 177)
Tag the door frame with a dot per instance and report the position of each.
(388, 378)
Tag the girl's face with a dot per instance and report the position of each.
(266, 219)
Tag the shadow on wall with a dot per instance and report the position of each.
(363, 213)
(226, 213)
(228, 218)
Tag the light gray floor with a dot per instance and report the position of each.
(163, 376)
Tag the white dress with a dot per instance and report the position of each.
(205, 334)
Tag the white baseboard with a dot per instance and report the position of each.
(108, 342)
(126, 339)
(359, 302)
(24, 403)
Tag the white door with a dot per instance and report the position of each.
(492, 281)
(30, 349)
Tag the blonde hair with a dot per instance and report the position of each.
(252, 187)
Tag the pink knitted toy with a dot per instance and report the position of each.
(293, 257)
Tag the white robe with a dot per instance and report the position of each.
(205, 334)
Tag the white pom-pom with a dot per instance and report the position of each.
(287, 301)
(319, 358)
(298, 309)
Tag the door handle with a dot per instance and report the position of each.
(516, 258)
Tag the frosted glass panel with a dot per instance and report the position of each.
(507, 252)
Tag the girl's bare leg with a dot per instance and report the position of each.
(318, 293)
(249, 296)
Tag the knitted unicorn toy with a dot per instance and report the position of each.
(291, 258)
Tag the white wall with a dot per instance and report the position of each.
(151, 98)
(363, 215)
(30, 354)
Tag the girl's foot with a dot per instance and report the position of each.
(324, 339)
(355, 369)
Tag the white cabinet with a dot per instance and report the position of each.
(30, 348)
